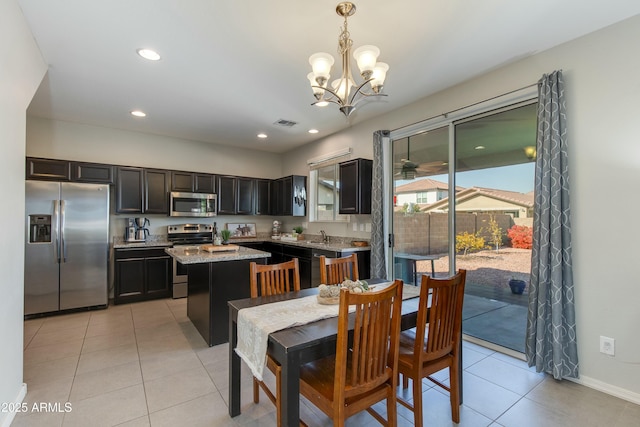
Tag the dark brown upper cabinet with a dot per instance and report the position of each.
(226, 195)
(204, 183)
(355, 186)
(262, 198)
(191, 182)
(141, 190)
(244, 196)
(92, 173)
(235, 195)
(156, 191)
(289, 196)
(66, 170)
(48, 169)
(182, 181)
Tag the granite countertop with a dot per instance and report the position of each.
(331, 246)
(193, 255)
(151, 242)
(334, 243)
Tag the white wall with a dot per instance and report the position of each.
(72, 141)
(603, 104)
(21, 70)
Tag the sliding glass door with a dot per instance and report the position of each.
(495, 174)
(472, 212)
(421, 238)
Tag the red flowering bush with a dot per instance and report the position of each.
(521, 236)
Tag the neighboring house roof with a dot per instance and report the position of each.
(420, 185)
(521, 199)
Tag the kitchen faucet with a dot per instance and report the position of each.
(325, 238)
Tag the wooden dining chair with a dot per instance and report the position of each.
(336, 270)
(273, 279)
(364, 369)
(435, 342)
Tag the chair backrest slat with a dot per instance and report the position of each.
(443, 299)
(373, 351)
(274, 279)
(336, 270)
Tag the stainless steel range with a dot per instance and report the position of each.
(186, 235)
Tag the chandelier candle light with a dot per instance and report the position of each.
(344, 90)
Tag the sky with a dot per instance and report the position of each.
(512, 178)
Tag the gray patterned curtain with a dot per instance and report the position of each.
(551, 326)
(378, 262)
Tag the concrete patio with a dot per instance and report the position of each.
(495, 315)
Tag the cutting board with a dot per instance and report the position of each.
(220, 248)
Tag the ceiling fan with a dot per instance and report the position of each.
(407, 168)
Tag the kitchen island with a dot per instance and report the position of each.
(214, 279)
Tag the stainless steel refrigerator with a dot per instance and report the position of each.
(67, 246)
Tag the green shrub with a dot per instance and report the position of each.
(467, 242)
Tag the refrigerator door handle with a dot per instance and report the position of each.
(56, 221)
(62, 224)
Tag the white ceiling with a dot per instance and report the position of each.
(231, 68)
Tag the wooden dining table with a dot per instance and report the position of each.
(293, 347)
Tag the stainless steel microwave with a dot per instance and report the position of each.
(193, 204)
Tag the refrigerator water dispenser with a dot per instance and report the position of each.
(39, 228)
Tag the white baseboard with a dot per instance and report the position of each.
(608, 389)
(585, 381)
(6, 421)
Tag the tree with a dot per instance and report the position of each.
(495, 232)
(410, 208)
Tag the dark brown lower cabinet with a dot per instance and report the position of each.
(141, 274)
(211, 285)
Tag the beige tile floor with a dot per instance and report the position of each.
(145, 365)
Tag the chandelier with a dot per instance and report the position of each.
(344, 91)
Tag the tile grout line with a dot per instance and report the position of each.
(144, 388)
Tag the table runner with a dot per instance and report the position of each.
(256, 323)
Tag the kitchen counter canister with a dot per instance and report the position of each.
(193, 255)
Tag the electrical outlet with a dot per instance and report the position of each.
(607, 345)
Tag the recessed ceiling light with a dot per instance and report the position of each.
(262, 135)
(149, 54)
(138, 113)
(480, 147)
(313, 130)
